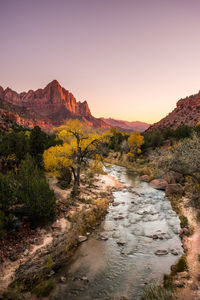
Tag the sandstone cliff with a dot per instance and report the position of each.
(51, 105)
(187, 112)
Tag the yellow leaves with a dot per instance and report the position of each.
(101, 204)
(198, 124)
(96, 166)
(56, 158)
(135, 140)
(28, 133)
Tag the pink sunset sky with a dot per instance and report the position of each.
(128, 59)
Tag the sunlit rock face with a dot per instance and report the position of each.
(187, 112)
(53, 104)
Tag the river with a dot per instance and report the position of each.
(118, 260)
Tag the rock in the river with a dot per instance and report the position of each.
(144, 178)
(159, 184)
(174, 188)
(82, 238)
(118, 218)
(174, 252)
(155, 237)
(161, 252)
(103, 236)
(121, 243)
(115, 203)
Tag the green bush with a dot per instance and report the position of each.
(44, 288)
(184, 221)
(34, 193)
(181, 266)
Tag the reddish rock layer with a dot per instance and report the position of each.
(53, 105)
(187, 112)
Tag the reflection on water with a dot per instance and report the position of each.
(121, 266)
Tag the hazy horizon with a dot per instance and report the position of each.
(130, 60)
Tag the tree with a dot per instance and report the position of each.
(37, 199)
(135, 140)
(57, 162)
(80, 145)
(183, 157)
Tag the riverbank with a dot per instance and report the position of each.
(52, 245)
(190, 286)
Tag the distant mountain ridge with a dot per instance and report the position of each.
(126, 125)
(187, 112)
(50, 106)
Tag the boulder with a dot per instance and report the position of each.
(174, 189)
(144, 178)
(159, 184)
(161, 252)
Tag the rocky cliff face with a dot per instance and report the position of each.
(187, 112)
(53, 105)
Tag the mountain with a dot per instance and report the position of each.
(47, 107)
(187, 112)
(127, 126)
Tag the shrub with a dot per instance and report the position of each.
(184, 221)
(181, 266)
(154, 292)
(44, 288)
(34, 193)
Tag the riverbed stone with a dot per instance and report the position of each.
(161, 252)
(121, 242)
(118, 218)
(115, 203)
(103, 236)
(159, 184)
(174, 252)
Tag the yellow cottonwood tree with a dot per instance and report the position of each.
(80, 144)
(135, 140)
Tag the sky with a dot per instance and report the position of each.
(129, 59)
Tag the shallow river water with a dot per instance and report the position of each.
(121, 266)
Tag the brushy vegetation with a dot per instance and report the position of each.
(24, 190)
(183, 222)
(154, 292)
(180, 266)
(43, 288)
